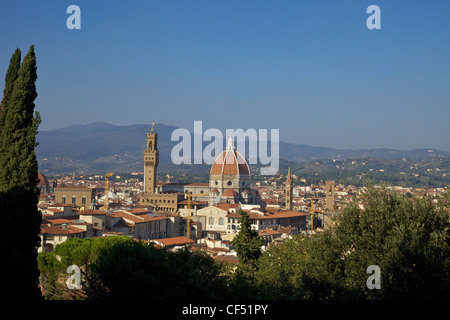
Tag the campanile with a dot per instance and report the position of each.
(288, 191)
(151, 160)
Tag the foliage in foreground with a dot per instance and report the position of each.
(122, 268)
(409, 241)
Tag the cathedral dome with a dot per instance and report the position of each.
(230, 162)
(42, 180)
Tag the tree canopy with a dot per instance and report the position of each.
(408, 241)
(123, 268)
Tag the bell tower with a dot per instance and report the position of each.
(151, 160)
(288, 191)
(329, 189)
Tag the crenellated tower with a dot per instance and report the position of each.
(151, 160)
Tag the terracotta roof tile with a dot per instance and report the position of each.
(230, 193)
(92, 212)
(60, 230)
(60, 205)
(230, 162)
(174, 241)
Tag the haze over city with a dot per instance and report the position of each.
(312, 70)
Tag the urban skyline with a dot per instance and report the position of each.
(312, 70)
(106, 192)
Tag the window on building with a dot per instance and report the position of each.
(74, 200)
(83, 200)
(211, 220)
(63, 199)
(221, 221)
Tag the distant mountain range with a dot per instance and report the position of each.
(102, 147)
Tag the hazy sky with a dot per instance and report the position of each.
(309, 68)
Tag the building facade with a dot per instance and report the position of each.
(77, 196)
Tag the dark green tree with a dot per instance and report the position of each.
(121, 268)
(247, 242)
(11, 76)
(408, 240)
(139, 271)
(74, 251)
(20, 218)
(18, 163)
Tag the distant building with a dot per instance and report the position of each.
(56, 231)
(75, 195)
(58, 210)
(96, 217)
(288, 191)
(161, 200)
(171, 243)
(43, 185)
(229, 181)
(329, 195)
(138, 224)
(329, 211)
(214, 218)
(225, 218)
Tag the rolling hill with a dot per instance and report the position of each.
(101, 147)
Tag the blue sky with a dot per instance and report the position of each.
(309, 68)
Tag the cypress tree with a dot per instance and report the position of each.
(20, 218)
(18, 136)
(247, 242)
(11, 76)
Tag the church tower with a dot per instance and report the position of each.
(288, 190)
(329, 189)
(151, 160)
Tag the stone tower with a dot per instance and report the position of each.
(288, 190)
(151, 160)
(329, 194)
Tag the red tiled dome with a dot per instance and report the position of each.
(230, 193)
(42, 180)
(230, 162)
